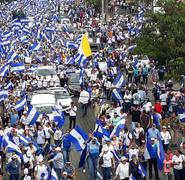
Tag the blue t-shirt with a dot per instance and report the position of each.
(13, 119)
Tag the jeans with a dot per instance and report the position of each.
(84, 109)
(58, 172)
(92, 167)
(153, 162)
(14, 177)
(72, 120)
(66, 154)
(106, 173)
(134, 125)
(178, 174)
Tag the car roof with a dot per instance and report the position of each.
(46, 67)
(39, 99)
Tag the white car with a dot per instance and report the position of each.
(62, 97)
(44, 102)
(48, 72)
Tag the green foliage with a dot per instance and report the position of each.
(163, 37)
(96, 3)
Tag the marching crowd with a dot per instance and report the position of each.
(137, 119)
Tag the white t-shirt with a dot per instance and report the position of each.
(179, 160)
(123, 170)
(107, 162)
(41, 170)
(163, 98)
(166, 137)
(133, 152)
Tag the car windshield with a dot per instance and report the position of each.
(74, 78)
(46, 72)
(45, 109)
(61, 95)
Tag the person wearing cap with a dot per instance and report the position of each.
(166, 137)
(123, 169)
(133, 167)
(152, 160)
(41, 170)
(68, 170)
(153, 132)
(107, 163)
(26, 175)
(133, 150)
(28, 160)
(13, 168)
(58, 160)
(93, 148)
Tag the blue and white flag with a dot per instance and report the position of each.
(142, 170)
(35, 47)
(117, 96)
(81, 80)
(160, 155)
(21, 103)
(131, 48)
(9, 85)
(18, 67)
(4, 70)
(32, 117)
(100, 131)
(150, 150)
(83, 157)
(12, 56)
(119, 126)
(53, 175)
(10, 146)
(181, 114)
(119, 82)
(59, 118)
(3, 95)
(78, 137)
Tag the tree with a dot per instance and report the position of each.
(163, 37)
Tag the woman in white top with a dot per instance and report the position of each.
(127, 100)
(107, 162)
(166, 137)
(41, 171)
(138, 133)
(178, 160)
(123, 169)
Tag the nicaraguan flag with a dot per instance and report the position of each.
(160, 154)
(119, 82)
(117, 96)
(150, 150)
(181, 114)
(131, 48)
(12, 56)
(120, 125)
(4, 70)
(18, 67)
(9, 85)
(100, 131)
(32, 117)
(59, 119)
(21, 103)
(78, 137)
(11, 147)
(53, 175)
(142, 170)
(83, 157)
(3, 95)
(81, 80)
(35, 47)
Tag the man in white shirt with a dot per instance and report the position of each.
(123, 168)
(166, 137)
(84, 100)
(163, 98)
(72, 115)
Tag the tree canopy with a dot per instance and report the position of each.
(163, 37)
